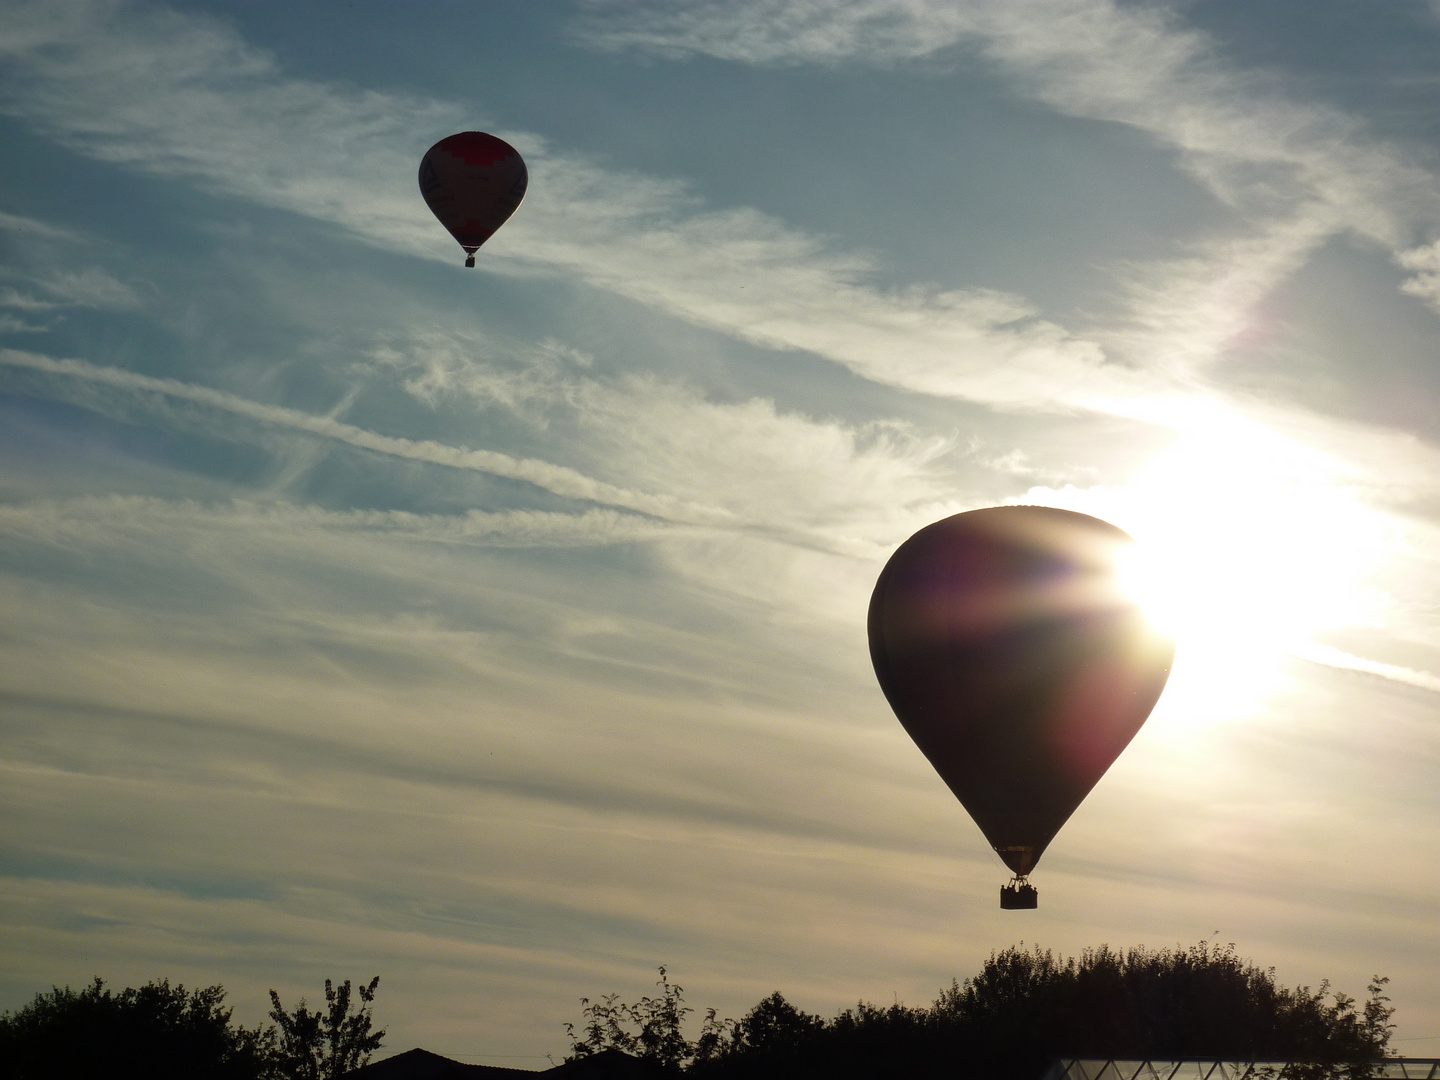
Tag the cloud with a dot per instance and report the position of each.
(557, 479)
(177, 95)
(149, 89)
(446, 777)
(13, 299)
(1336, 658)
(776, 474)
(84, 520)
(53, 288)
(1095, 59)
(214, 642)
(785, 517)
(776, 32)
(1424, 264)
(1294, 173)
(20, 224)
(9, 324)
(746, 274)
(642, 445)
(90, 288)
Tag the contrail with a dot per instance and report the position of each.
(557, 479)
(1324, 654)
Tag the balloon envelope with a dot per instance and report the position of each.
(1005, 645)
(472, 182)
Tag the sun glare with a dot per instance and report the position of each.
(1248, 545)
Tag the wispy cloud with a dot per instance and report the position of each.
(457, 772)
(554, 478)
(184, 96)
(90, 288)
(1424, 265)
(668, 454)
(1337, 658)
(19, 224)
(775, 473)
(1294, 172)
(1236, 129)
(83, 520)
(13, 298)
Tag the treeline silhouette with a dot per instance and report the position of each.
(163, 1032)
(1025, 1008)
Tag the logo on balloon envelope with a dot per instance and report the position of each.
(1004, 642)
(472, 183)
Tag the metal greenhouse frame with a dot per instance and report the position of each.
(1204, 1069)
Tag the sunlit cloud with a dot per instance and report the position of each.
(1331, 657)
(1186, 313)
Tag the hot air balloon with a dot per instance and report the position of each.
(472, 182)
(1005, 645)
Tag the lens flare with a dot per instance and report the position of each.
(1248, 545)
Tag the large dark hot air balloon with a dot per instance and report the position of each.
(472, 182)
(1006, 647)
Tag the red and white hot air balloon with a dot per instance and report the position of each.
(472, 182)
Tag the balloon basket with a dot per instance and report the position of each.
(1019, 895)
(470, 261)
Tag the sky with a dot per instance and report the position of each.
(501, 632)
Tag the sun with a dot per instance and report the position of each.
(1248, 546)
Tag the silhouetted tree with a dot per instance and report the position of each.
(651, 1028)
(1024, 1008)
(325, 1045)
(161, 1032)
(158, 1032)
(714, 1037)
(661, 1020)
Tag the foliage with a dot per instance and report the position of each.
(325, 1045)
(1023, 1009)
(157, 1031)
(160, 1032)
(1029, 1006)
(651, 1028)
